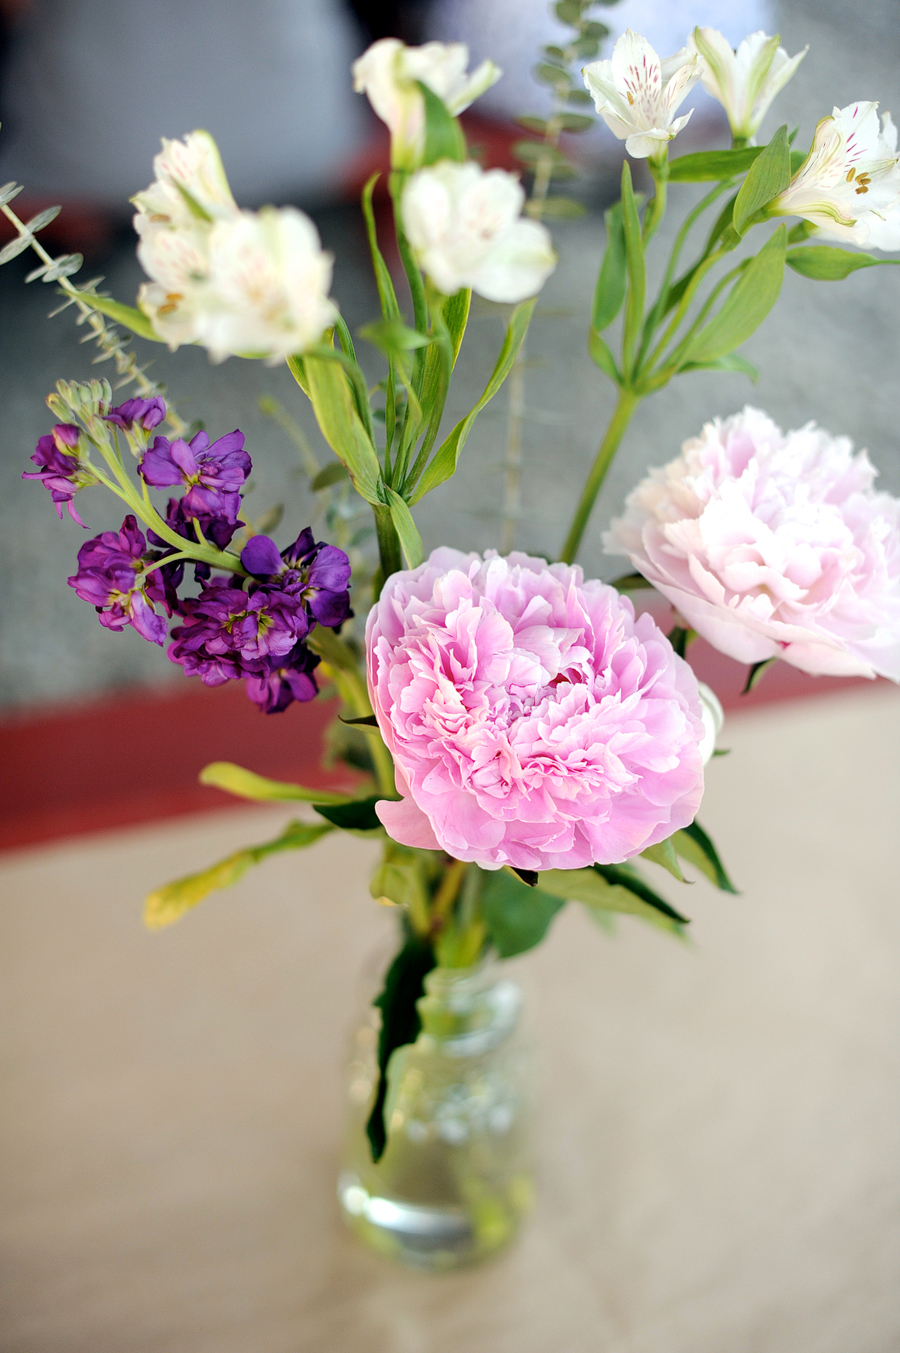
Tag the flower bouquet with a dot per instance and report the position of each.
(520, 736)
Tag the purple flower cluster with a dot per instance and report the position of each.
(147, 413)
(213, 475)
(60, 469)
(258, 634)
(111, 576)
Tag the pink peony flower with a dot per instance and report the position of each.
(532, 720)
(773, 545)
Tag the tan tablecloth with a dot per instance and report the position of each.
(720, 1159)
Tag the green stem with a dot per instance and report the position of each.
(388, 542)
(685, 303)
(656, 209)
(625, 407)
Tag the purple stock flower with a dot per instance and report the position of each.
(59, 468)
(284, 680)
(149, 413)
(212, 474)
(107, 577)
(225, 622)
(317, 574)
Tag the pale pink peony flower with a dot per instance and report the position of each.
(532, 719)
(773, 545)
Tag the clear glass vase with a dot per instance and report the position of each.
(456, 1177)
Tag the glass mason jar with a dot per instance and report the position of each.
(456, 1178)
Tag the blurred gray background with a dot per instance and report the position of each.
(828, 352)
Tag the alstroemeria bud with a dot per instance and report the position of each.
(465, 228)
(744, 81)
(848, 187)
(637, 94)
(388, 74)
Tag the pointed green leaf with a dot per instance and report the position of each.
(386, 293)
(404, 984)
(135, 320)
(755, 673)
(746, 306)
(616, 888)
(712, 165)
(444, 139)
(824, 264)
(769, 175)
(337, 416)
(408, 532)
(693, 845)
(456, 317)
(601, 355)
(732, 362)
(664, 854)
(246, 784)
(610, 290)
(634, 259)
(444, 462)
(165, 905)
(357, 816)
(517, 916)
(630, 582)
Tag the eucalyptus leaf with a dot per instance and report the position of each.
(517, 916)
(693, 845)
(400, 1024)
(42, 219)
(444, 139)
(14, 248)
(609, 292)
(165, 905)
(768, 176)
(562, 208)
(9, 191)
(445, 459)
(825, 264)
(708, 165)
(246, 784)
(555, 76)
(576, 122)
(745, 307)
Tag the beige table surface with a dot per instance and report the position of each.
(720, 1150)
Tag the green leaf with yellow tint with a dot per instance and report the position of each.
(246, 784)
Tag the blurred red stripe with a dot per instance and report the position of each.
(135, 758)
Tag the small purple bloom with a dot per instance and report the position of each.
(243, 629)
(149, 413)
(318, 574)
(107, 577)
(59, 468)
(212, 474)
(284, 680)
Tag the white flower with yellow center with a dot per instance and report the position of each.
(744, 81)
(389, 73)
(466, 228)
(848, 187)
(637, 94)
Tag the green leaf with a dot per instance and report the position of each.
(716, 165)
(576, 122)
(634, 258)
(630, 582)
(246, 784)
(569, 12)
(341, 426)
(165, 905)
(693, 845)
(732, 361)
(800, 232)
(617, 888)
(444, 462)
(357, 816)
(444, 139)
(769, 175)
(663, 854)
(579, 96)
(393, 337)
(386, 293)
(532, 152)
(610, 290)
(367, 721)
(824, 264)
(517, 916)
(334, 473)
(135, 320)
(538, 125)
(601, 354)
(754, 674)
(555, 76)
(404, 984)
(456, 317)
(408, 532)
(746, 306)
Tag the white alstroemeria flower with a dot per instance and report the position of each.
(744, 81)
(848, 187)
(637, 95)
(263, 289)
(190, 187)
(465, 227)
(388, 73)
